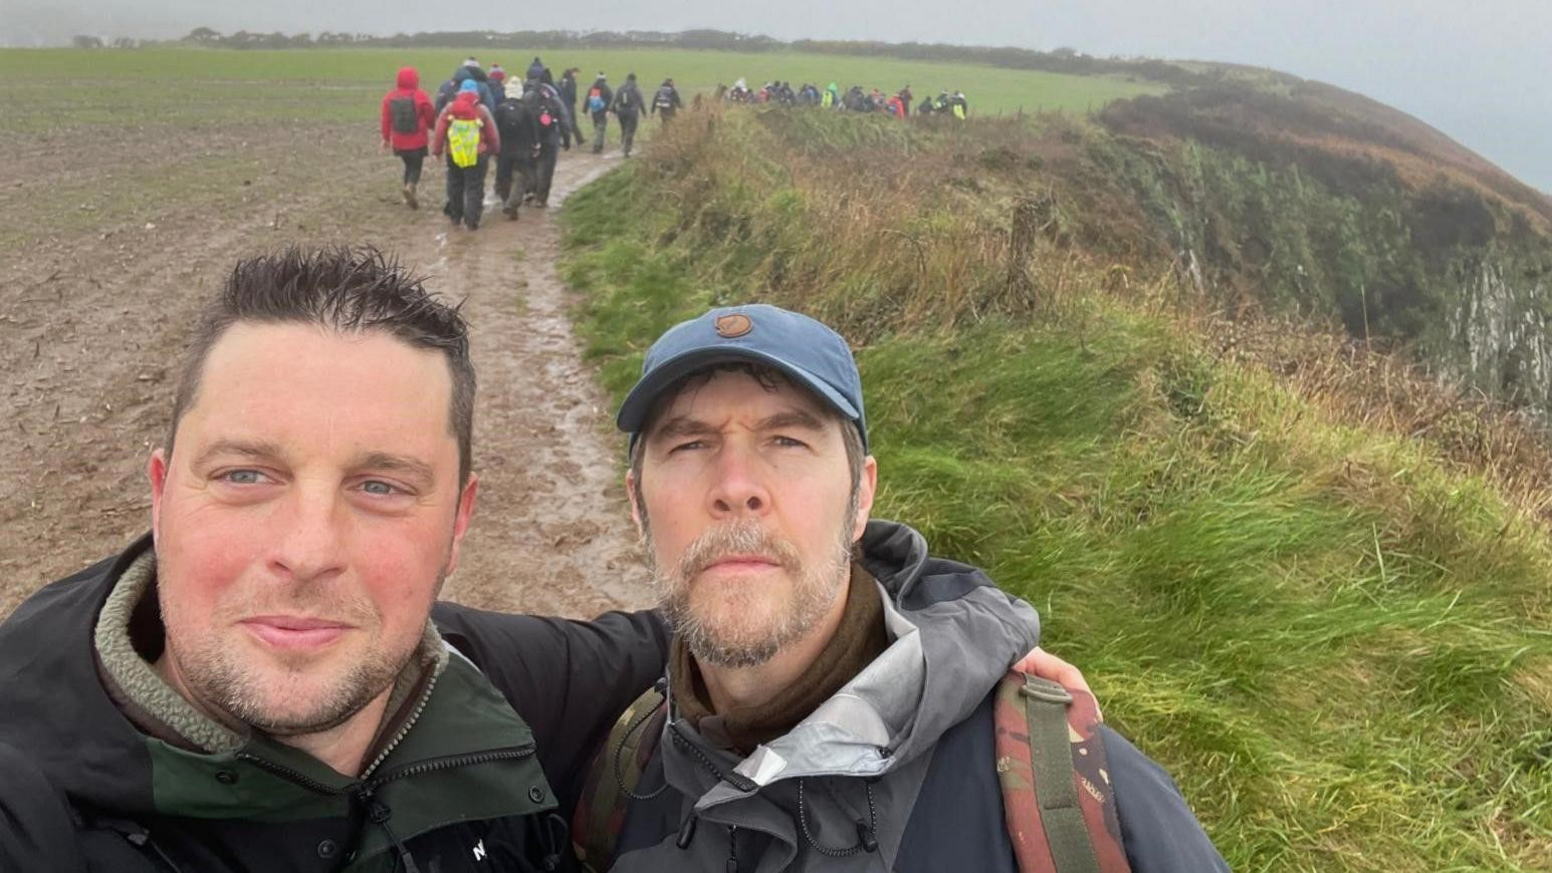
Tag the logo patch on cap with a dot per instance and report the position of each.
(734, 326)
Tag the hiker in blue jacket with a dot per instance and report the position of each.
(469, 71)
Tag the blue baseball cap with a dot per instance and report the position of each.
(468, 85)
(809, 353)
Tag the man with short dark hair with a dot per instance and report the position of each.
(831, 685)
(255, 684)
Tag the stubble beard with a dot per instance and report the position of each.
(288, 699)
(712, 632)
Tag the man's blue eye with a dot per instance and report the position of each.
(382, 489)
(243, 477)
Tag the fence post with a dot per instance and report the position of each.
(1021, 243)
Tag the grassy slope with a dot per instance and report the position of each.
(1340, 648)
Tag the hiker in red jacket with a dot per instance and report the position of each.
(407, 119)
(467, 131)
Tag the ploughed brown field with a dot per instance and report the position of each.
(126, 203)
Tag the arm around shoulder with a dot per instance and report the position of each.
(1158, 829)
(569, 680)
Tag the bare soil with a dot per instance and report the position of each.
(101, 276)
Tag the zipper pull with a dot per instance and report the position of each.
(687, 831)
(865, 835)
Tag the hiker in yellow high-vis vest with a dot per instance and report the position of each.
(467, 132)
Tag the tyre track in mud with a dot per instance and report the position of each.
(91, 325)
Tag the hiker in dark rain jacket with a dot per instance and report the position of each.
(626, 106)
(666, 101)
(263, 683)
(449, 89)
(519, 128)
(567, 86)
(554, 134)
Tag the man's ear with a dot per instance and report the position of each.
(156, 472)
(867, 486)
(631, 484)
(466, 501)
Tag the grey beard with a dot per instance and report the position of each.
(713, 645)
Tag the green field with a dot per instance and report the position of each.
(113, 87)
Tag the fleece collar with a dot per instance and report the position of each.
(159, 710)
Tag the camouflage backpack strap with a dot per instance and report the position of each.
(612, 777)
(1056, 790)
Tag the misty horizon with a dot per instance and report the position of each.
(1474, 74)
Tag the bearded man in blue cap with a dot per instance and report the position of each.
(830, 693)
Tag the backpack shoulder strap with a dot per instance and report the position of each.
(1056, 791)
(612, 777)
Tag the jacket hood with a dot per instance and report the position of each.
(409, 79)
(953, 634)
(466, 104)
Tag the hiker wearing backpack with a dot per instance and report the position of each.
(469, 71)
(519, 128)
(835, 699)
(495, 80)
(407, 119)
(958, 105)
(568, 95)
(468, 132)
(554, 126)
(599, 96)
(667, 101)
(626, 106)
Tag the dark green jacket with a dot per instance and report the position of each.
(472, 785)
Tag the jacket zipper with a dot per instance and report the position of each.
(290, 775)
(368, 787)
(431, 765)
(420, 706)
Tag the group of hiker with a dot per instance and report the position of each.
(853, 99)
(479, 117)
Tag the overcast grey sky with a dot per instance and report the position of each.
(1475, 69)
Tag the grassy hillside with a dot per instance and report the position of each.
(1337, 640)
(1294, 196)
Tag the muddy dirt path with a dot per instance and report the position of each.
(92, 316)
(552, 520)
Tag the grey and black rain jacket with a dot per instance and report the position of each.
(897, 770)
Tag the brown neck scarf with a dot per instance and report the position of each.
(859, 639)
